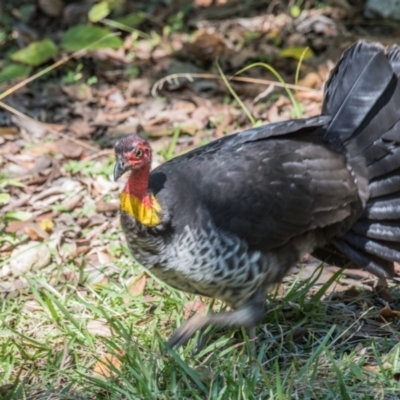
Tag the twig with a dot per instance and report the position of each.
(101, 153)
(63, 135)
(190, 77)
(264, 93)
(351, 326)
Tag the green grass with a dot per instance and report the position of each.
(307, 348)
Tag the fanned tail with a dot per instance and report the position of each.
(363, 97)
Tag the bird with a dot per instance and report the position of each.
(231, 218)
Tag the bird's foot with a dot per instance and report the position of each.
(187, 330)
(248, 316)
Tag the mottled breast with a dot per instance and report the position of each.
(199, 261)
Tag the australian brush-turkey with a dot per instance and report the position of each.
(232, 217)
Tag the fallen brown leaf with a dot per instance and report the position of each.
(97, 219)
(15, 226)
(45, 215)
(206, 45)
(9, 148)
(55, 127)
(81, 250)
(138, 87)
(136, 288)
(220, 131)
(387, 313)
(377, 369)
(104, 257)
(99, 327)
(312, 96)
(107, 206)
(44, 148)
(8, 132)
(201, 115)
(190, 127)
(35, 232)
(203, 3)
(81, 129)
(104, 367)
(183, 106)
(152, 108)
(35, 129)
(72, 203)
(78, 91)
(103, 118)
(69, 149)
(30, 256)
(311, 80)
(31, 306)
(397, 268)
(193, 306)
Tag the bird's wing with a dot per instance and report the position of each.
(265, 191)
(276, 129)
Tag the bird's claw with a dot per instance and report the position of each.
(183, 334)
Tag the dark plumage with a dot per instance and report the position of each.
(232, 217)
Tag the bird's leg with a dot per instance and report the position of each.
(251, 333)
(200, 342)
(247, 315)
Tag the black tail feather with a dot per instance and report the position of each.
(385, 165)
(363, 97)
(370, 263)
(359, 81)
(382, 208)
(384, 230)
(387, 250)
(393, 133)
(394, 58)
(385, 185)
(378, 150)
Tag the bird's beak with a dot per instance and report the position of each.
(119, 168)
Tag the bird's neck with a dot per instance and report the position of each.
(138, 184)
(137, 201)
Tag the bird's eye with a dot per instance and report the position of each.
(139, 153)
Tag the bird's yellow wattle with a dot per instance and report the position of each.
(146, 214)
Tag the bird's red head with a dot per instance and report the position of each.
(132, 153)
